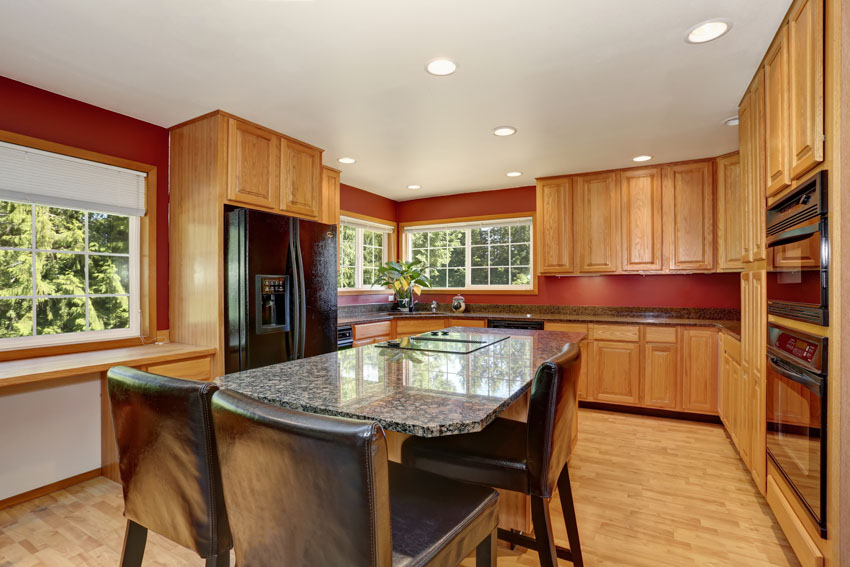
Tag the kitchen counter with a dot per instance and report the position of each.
(419, 393)
(732, 327)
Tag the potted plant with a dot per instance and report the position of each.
(406, 279)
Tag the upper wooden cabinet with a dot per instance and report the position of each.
(689, 216)
(805, 83)
(640, 219)
(300, 178)
(597, 208)
(731, 214)
(554, 227)
(776, 114)
(252, 164)
(755, 175)
(329, 205)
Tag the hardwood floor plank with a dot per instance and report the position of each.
(648, 492)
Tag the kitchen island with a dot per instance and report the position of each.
(415, 392)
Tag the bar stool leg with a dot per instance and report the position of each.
(485, 553)
(566, 493)
(221, 560)
(135, 537)
(543, 532)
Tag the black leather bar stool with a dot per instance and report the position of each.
(305, 490)
(168, 463)
(523, 457)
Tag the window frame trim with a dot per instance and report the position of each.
(495, 218)
(148, 229)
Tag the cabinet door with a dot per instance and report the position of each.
(252, 166)
(805, 76)
(757, 172)
(615, 372)
(640, 219)
(194, 369)
(300, 178)
(660, 375)
(554, 238)
(776, 114)
(756, 367)
(689, 216)
(699, 370)
(597, 214)
(730, 214)
(745, 149)
(330, 196)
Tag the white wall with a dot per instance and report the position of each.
(48, 433)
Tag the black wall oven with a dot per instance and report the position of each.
(798, 254)
(796, 414)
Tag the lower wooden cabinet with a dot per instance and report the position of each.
(368, 333)
(583, 391)
(699, 370)
(460, 322)
(407, 327)
(615, 372)
(193, 369)
(661, 375)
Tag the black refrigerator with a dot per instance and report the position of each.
(280, 277)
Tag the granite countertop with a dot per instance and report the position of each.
(427, 394)
(730, 326)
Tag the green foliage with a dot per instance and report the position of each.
(403, 277)
(60, 270)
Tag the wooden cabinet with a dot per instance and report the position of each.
(661, 375)
(615, 371)
(252, 164)
(369, 333)
(408, 327)
(731, 214)
(300, 178)
(329, 202)
(757, 337)
(776, 114)
(583, 392)
(689, 215)
(699, 369)
(554, 227)
(805, 85)
(597, 223)
(752, 149)
(464, 322)
(193, 369)
(640, 219)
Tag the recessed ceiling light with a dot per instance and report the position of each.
(441, 66)
(513, 173)
(414, 187)
(504, 131)
(642, 158)
(708, 31)
(733, 121)
(346, 160)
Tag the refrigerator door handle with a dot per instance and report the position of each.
(296, 295)
(302, 305)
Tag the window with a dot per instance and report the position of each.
(67, 271)
(363, 248)
(483, 255)
(69, 249)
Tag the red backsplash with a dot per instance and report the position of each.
(41, 114)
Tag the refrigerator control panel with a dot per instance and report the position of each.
(272, 299)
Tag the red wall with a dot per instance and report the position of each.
(690, 290)
(41, 114)
(362, 202)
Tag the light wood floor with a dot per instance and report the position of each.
(649, 492)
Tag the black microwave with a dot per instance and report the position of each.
(798, 254)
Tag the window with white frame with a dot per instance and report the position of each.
(481, 255)
(363, 248)
(69, 249)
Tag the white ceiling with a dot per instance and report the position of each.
(588, 84)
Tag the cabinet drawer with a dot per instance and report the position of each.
(460, 322)
(416, 326)
(732, 347)
(565, 327)
(660, 334)
(370, 330)
(195, 369)
(628, 333)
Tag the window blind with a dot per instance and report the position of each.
(465, 225)
(368, 225)
(35, 176)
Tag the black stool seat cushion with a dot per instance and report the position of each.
(435, 521)
(495, 456)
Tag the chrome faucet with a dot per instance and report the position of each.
(434, 306)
